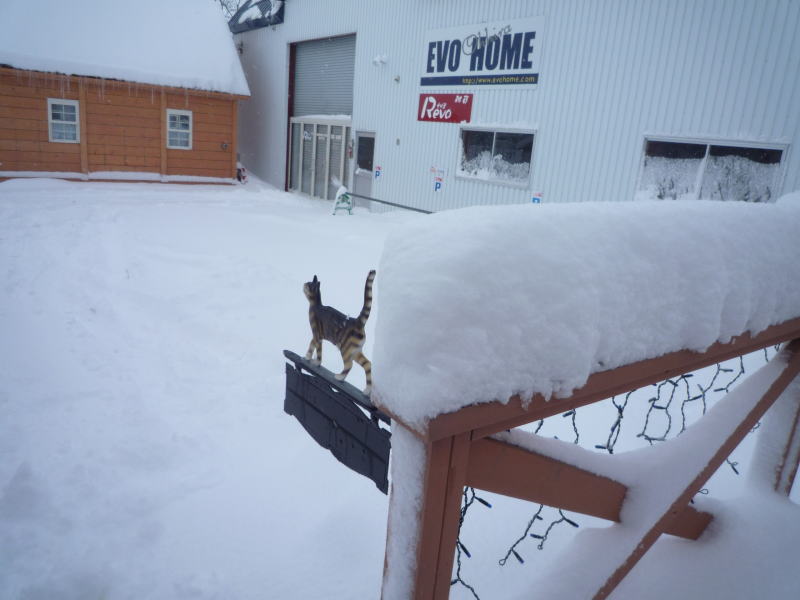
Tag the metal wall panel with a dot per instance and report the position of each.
(612, 72)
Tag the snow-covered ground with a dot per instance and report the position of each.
(144, 451)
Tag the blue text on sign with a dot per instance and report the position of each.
(511, 51)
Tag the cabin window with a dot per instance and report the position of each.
(674, 170)
(497, 156)
(179, 129)
(63, 123)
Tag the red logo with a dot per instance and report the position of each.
(445, 108)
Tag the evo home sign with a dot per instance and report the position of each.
(501, 53)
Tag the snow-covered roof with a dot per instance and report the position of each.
(483, 303)
(179, 43)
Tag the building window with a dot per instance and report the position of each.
(698, 170)
(63, 121)
(499, 156)
(179, 129)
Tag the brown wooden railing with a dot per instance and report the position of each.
(459, 453)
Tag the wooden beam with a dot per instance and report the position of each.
(234, 137)
(503, 468)
(779, 384)
(688, 523)
(492, 417)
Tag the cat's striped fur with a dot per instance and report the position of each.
(346, 333)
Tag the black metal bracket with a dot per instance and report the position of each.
(339, 417)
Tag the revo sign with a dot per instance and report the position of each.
(445, 108)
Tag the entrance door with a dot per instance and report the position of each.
(365, 151)
(321, 89)
(318, 162)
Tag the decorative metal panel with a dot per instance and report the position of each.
(255, 14)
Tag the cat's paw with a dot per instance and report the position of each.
(309, 354)
(316, 362)
(340, 376)
(367, 390)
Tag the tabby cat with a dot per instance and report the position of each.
(346, 333)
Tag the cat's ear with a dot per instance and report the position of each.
(315, 279)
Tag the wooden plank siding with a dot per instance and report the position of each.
(212, 138)
(24, 142)
(123, 127)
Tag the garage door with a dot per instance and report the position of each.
(323, 77)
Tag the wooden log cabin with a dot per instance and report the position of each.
(133, 101)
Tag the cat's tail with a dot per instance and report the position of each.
(364, 315)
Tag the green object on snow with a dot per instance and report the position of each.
(343, 202)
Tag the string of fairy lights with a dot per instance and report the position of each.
(665, 418)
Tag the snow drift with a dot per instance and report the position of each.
(539, 297)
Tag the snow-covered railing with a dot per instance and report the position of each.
(494, 318)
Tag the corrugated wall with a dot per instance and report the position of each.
(611, 72)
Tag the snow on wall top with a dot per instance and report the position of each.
(179, 43)
(482, 303)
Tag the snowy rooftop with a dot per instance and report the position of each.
(542, 296)
(178, 43)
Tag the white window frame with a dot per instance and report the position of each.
(50, 121)
(708, 142)
(467, 127)
(186, 113)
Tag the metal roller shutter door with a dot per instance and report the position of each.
(323, 79)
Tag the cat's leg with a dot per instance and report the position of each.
(318, 361)
(314, 345)
(347, 359)
(362, 360)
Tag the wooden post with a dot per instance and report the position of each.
(83, 127)
(445, 476)
(163, 133)
(234, 136)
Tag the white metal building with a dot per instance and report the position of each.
(558, 100)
